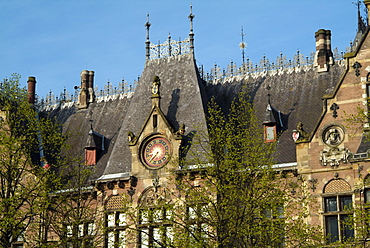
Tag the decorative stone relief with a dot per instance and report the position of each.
(155, 196)
(334, 156)
(333, 136)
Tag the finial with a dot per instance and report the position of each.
(191, 34)
(361, 26)
(91, 121)
(268, 88)
(169, 44)
(191, 18)
(147, 42)
(242, 46)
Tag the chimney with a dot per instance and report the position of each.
(84, 94)
(323, 55)
(31, 89)
(90, 87)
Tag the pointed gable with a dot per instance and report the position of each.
(182, 102)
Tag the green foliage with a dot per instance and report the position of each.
(72, 218)
(237, 199)
(226, 192)
(27, 143)
(24, 183)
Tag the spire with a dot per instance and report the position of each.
(147, 42)
(268, 94)
(242, 46)
(269, 116)
(191, 34)
(361, 26)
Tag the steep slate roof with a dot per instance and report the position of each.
(182, 102)
(296, 92)
(107, 116)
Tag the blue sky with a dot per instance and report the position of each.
(55, 40)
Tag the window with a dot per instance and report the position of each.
(197, 217)
(154, 217)
(116, 230)
(338, 217)
(80, 234)
(155, 228)
(366, 213)
(270, 133)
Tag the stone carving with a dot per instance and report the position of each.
(334, 156)
(300, 135)
(333, 136)
(155, 196)
(131, 136)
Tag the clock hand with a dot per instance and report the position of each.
(155, 155)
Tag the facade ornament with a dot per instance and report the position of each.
(155, 86)
(155, 182)
(131, 136)
(333, 136)
(359, 169)
(334, 156)
(357, 67)
(313, 182)
(334, 107)
(300, 135)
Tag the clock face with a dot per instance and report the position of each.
(156, 152)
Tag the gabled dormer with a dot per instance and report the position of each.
(273, 123)
(94, 147)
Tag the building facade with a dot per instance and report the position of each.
(132, 141)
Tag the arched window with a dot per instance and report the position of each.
(338, 209)
(115, 222)
(367, 189)
(154, 217)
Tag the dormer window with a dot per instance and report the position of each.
(270, 125)
(94, 147)
(270, 132)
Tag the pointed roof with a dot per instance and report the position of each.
(182, 102)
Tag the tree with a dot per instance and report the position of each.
(234, 197)
(73, 218)
(226, 192)
(25, 176)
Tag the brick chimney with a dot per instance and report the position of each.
(324, 55)
(31, 89)
(90, 87)
(87, 94)
(83, 97)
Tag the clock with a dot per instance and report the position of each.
(156, 152)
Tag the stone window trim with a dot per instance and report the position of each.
(337, 186)
(154, 217)
(338, 210)
(337, 202)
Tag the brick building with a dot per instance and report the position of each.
(131, 140)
